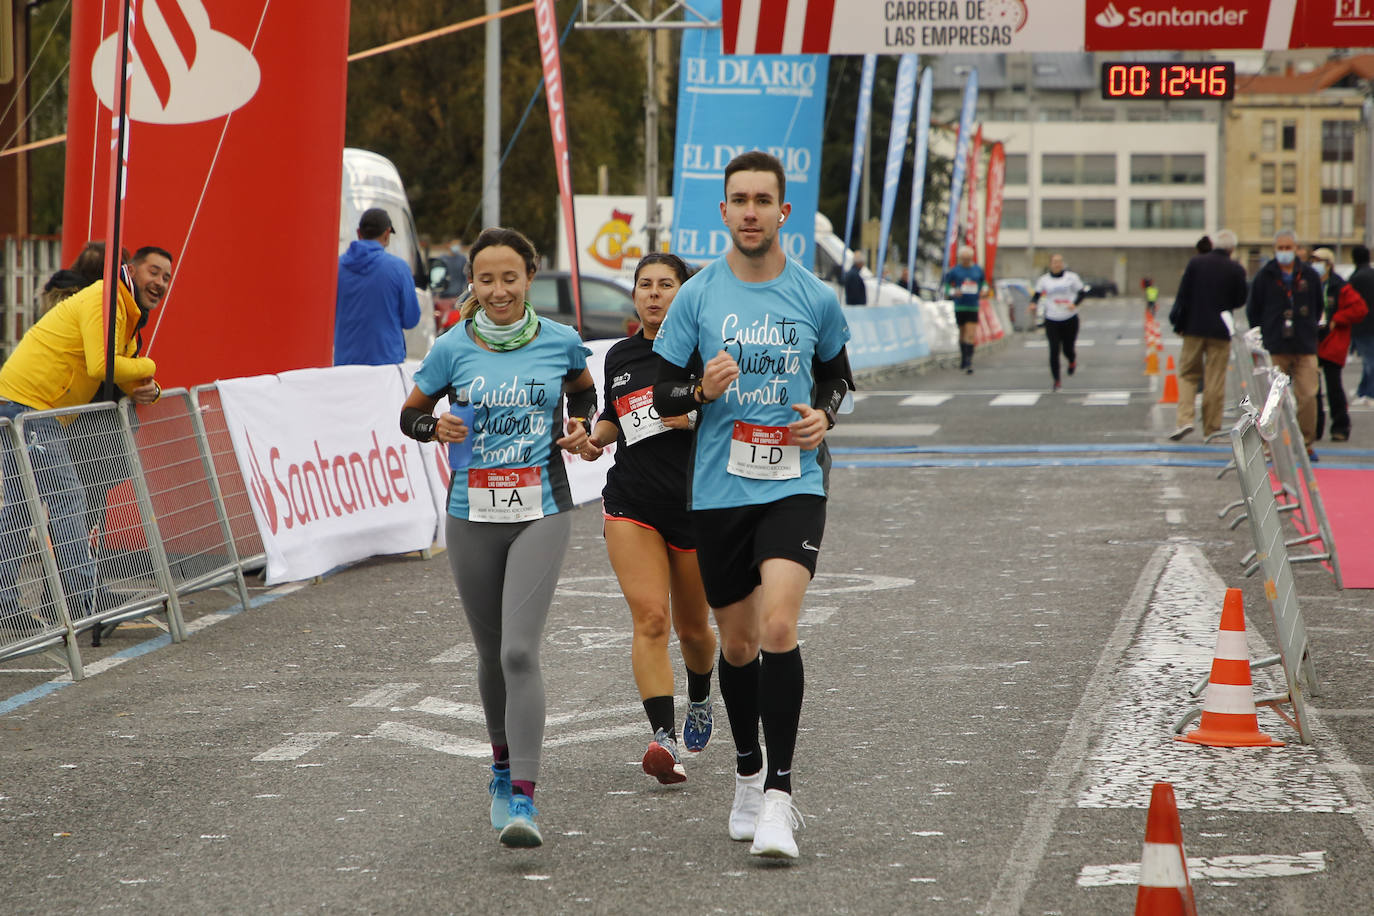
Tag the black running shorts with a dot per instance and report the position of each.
(965, 316)
(733, 542)
(672, 523)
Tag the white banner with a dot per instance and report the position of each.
(330, 476)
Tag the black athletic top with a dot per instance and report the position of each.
(652, 462)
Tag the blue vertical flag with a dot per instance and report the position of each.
(918, 172)
(728, 104)
(956, 184)
(896, 154)
(856, 163)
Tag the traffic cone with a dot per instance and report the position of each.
(1170, 395)
(1228, 706)
(1151, 361)
(1164, 888)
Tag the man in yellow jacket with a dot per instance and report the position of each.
(60, 362)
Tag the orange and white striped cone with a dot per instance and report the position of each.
(1228, 707)
(1151, 361)
(1170, 395)
(1164, 888)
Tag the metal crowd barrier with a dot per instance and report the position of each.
(238, 507)
(111, 513)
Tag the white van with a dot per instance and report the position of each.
(370, 180)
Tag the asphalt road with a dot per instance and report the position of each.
(1000, 636)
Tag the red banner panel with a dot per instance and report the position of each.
(235, 165)
(1183, 25)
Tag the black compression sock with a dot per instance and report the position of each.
(780, 700)
(698, 685)
(739, 688)
(661, 714)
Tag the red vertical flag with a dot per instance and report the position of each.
(546, 22)
(971, 212)
(997, 176)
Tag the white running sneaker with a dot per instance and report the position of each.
(744, 813)
(773, 833)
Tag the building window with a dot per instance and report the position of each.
(1269, 132)
(1338, 141)
(1145, 114)
(1171, 168)
(1168, 214)
(1016, 168)
(1013, 213)
(1288, 216)
(1097, 114)
(1059, 213)
(1290, 135)
(1289, 177)
(1267, 178)
(1266, 220)
(1078, 168)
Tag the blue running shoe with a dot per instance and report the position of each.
(696, 731)
(499, 789)
(520, 830)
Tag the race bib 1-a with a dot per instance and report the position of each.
(638, 418)
(504, 495)
(763, 452)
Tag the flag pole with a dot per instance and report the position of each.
(119, 137)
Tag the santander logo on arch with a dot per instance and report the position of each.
(181, 70)
(1173, 14)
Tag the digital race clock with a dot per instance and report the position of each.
(1159, 80)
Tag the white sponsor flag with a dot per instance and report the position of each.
(330, 476)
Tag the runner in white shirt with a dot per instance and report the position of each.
(1061, 291)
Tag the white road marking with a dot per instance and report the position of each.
(432, 740)
(927, 399)
(823, 584)
(1213, 868)
(1015, 399)
(1173, 516)
(1107, 399)
(1128, 341)
(1026, 854)
(594, 734)
(900, 430)
(1171, 493)
(466, 712)
(1132, 751)
(385, 696)
(589, 714)
(296, 746)
(453, 655)
(813, 616)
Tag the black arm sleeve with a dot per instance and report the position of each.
(834, 379)
(418, 424)
(1035, 297)
(1082, 294)
(673, 392)
(582, 404)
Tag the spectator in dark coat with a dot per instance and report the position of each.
(1286, 303)
(375, 303)
(1212, 285)
(855, 290)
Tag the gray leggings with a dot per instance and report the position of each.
(506, 575)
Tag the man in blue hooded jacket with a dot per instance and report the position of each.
(376, 301)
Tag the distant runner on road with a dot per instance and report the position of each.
(773, 339)
(1062, 290)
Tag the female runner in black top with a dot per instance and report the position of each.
(648, 529)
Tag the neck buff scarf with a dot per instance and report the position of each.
(502, 337)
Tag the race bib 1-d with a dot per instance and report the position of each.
(763, 452)
(638, 418)
(504, 495)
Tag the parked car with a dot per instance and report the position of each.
(1100, 287)
(608, 309)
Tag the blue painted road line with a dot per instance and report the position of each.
(935, 461)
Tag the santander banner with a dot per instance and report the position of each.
(235, 157)
(999, 26)
(330, 476)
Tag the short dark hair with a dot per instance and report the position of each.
(1359, 254)
(141, 255)
(758, 161)
(373, 223)
(674, 263)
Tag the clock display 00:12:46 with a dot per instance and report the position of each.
(1159, 80)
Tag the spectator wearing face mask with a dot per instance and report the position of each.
(1344, 308)
(1285, 303)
